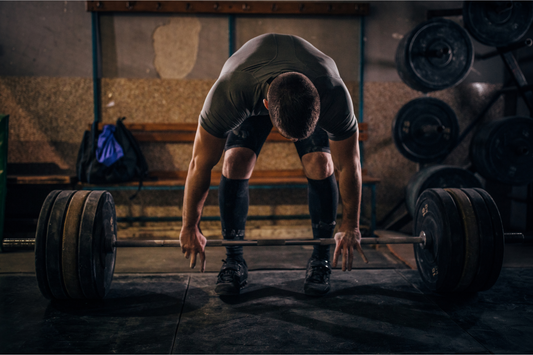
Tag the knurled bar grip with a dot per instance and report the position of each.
(265, 242)
(29, 243)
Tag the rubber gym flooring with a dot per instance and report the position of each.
(158, 305)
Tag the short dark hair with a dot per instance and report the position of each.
(293, 105)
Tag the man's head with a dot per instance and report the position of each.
(293, 104)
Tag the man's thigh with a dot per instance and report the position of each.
(251, 134)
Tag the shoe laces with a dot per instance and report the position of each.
(228, 271)
(319, 273)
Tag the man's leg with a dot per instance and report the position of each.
(323, 200)
(242, 148)
(233, 198)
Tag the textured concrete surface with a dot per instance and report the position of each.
(366, 311)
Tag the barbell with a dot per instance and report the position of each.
(458, 242)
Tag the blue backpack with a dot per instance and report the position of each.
(110, 157)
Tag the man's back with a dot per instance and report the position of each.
(269, 55)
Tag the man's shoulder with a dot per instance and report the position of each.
(329, 84)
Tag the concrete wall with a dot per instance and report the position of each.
(159, 68)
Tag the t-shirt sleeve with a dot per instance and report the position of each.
(229, 102)
(337, 116)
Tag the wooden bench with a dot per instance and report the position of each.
(175, 180)
(185, 132)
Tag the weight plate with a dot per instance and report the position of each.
(437, 176)
(40, 244)
(96, 263)
(440, 262)
(425, 130)
(54, 244)
(499, 240)
(486, 240)
(471, 232)
(435, 55)
(69, 255)
(502, 150)
(497, 23)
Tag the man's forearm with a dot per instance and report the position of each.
(350, 185)
(196, 190)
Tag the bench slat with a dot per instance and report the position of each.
(40, 180)
(185, 132)
(259, 177)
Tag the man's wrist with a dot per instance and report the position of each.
(348, 227)
(189, 227)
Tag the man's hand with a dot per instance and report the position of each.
(193, 243)
(346, 242)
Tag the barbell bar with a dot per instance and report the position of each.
(458, 242)
(29, 243)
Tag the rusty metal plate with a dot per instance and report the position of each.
(486, 241)
(69, 255)
(54, 243)
(470, 228)
(440, 262)
(40, 244)
(498, 240)
(96, 254)
(437, 176)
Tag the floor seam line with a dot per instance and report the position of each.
(181, 313)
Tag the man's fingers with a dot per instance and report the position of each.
(193, 260)
(350, 258)
(202, 262)
(336, 254)
(344, 257)
(187, 254)
(360, 250)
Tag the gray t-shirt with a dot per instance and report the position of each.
(243, 84)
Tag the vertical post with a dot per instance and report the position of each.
(4, 133)
(96, 51)
(231, 34)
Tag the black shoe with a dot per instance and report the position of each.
(231, 278)
(317, 277)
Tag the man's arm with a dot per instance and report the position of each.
(345, 156)
(206, 153)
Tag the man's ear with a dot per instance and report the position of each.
(265, 102)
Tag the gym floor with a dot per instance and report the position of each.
(158, 305)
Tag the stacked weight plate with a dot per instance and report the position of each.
(464, 252)
(502, 150)
(497, 23)
(74, 251)
(437, 176)
(425, 130)
(435, 55)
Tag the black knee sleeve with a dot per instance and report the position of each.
(233, 202)
(323, 197)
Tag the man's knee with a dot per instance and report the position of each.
(239, 163)
(317, 165)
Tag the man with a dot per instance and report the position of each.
(283, 81)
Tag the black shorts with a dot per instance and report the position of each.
(253, 132)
